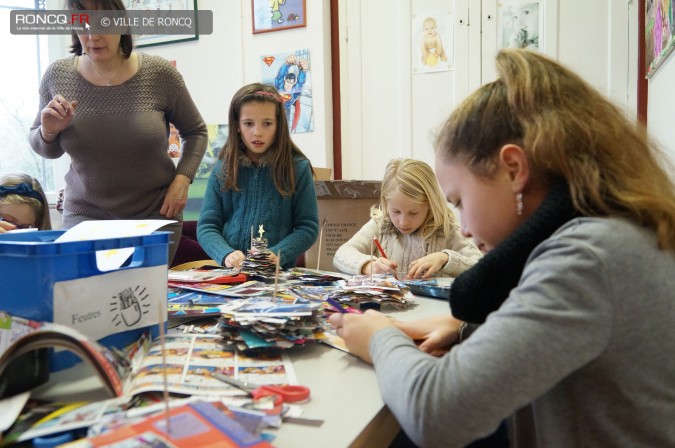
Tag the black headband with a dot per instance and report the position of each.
(22, 189)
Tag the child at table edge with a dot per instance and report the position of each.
(261, 178)
(22, 202)
(414, 226)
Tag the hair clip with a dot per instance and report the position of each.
(269, 94)
(22, 189)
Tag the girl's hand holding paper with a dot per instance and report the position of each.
(358, 329)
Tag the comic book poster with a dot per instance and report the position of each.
(290, 73)
(276, 15)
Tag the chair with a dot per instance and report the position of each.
(190, 252)
(189, 249)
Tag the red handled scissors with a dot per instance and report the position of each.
(287, 393)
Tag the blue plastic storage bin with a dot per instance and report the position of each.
(40, 277)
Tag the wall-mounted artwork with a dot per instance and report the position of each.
(659, 33)
(432, 42)
(150, 40)
(291, 74)
(276, 15)
(520, 24)
(217, 134)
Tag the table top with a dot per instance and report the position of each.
(345, 392)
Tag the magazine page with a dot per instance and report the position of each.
(266, 306)
(109, 367)
(180, 311)
(220, 275)
(193, 359)
(331, 339)
(40, 419)
(247, 289)
(24, 372)
(11, 409)
(194, 425)
(12, 328)
(185, 297)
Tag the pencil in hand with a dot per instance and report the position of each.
(335, 304)
(379, 247)
(384, 255)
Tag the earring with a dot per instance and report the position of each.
(519, 204)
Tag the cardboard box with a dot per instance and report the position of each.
(345, 207)
(322, 173)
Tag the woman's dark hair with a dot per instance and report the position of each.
(126, 41)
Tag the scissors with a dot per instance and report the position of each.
(280, 394)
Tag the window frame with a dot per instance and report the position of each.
(48, 49)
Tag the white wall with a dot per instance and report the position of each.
(212, 65)
(598, 39)
(387, 112)
(661, 105)
(217, 65)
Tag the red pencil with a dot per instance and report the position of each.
(379, 247)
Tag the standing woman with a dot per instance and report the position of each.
(109, 108)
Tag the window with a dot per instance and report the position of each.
(27, 56)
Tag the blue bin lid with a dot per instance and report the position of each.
(42, 242)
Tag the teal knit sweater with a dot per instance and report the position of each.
(291, 224)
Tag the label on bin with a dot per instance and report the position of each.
(102, 305)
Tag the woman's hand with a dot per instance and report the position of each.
(55, 117)
(176, 196)
(428, 265)
(436, 333)
(380, 266)
(234, 259)
(358, 329)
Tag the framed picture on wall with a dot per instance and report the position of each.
(277, 15)
(520, 24)
(432, 41)
(659, 33)
(149, 40)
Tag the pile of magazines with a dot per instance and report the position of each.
(381, 289)
(279, 321)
